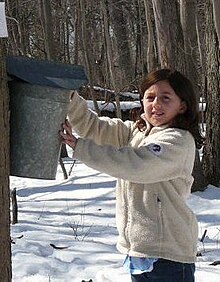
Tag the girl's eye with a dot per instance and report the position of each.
(166, 98)
(149, 98)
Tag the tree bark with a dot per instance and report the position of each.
(47, 22)
(211, 158)
(5, 245)
(200, 30)
(216, 14)
(200, 182)
(87, 57)
(139, 52)
(150, 37)
(120, 29)
(110, 55)
(169, 34)
(188, 21)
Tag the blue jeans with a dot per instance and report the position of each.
(167, 271)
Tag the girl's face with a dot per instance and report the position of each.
(161, 104)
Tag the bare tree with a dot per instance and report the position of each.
(211, 159)
(188, 21)
(121, 33)
(169, 34)
(5, 245)
(21, 26)
(200, 30)
(150, 36)
(115, 40)
(104, 5)
(47, 24)
(216, 14)
(87, 54)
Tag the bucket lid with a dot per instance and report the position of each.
(46, 73)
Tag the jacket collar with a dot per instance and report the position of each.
(150, 129)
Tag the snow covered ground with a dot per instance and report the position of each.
(66, 230)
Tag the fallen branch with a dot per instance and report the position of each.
(215, 262)
(58, 248)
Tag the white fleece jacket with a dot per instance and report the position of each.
(154, 179)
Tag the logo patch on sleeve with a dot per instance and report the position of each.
(156, 149)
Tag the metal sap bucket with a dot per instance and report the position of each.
(36, 113)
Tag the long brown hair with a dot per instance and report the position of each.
(183, 88)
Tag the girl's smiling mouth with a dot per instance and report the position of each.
(157, 113)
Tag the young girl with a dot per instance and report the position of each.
(153, 160)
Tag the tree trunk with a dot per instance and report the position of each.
(5, 245)
(200, 182)
(216, 14)
(110, 55)
(120, 29)
(76, 27)
(200, 30)
(150, 37)
(169, 34)
(87, 57)
(47, 22)
(139, 52)
(188, 21)
(211, 158)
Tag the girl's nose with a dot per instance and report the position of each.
(156, 103)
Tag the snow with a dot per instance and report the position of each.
(77, 215)
(110, 106)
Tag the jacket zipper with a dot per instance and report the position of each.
(160, 218)
(128, 217)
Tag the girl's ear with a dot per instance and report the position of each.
(183, 107)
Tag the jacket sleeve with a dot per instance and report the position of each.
(102, 130)
(169, 156)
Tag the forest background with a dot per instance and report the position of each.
(118, 41)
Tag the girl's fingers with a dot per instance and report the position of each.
(67, 123)
(69, 140)
(66, 134)
(67, 126)
(67, 137)
(68, 131)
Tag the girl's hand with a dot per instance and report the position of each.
(66, 135)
